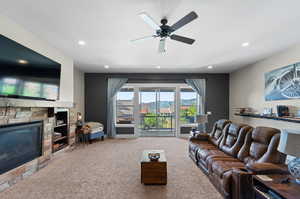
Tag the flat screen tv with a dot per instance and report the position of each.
(25, 73)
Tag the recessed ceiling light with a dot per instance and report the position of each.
(106, 66)
(81, 43)
(22, 61)
(210, 67)
(158, 67)
(245, 44)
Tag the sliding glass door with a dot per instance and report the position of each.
(157, 111)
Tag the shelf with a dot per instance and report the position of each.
(60, 138)
(60, 125)
(285, 119)
(62, 120)
(60, 148)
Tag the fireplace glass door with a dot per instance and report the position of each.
(19, 143)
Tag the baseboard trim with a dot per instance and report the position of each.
(126, 136)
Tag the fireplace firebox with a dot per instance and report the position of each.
(20, 143)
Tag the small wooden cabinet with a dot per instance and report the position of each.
(153, 172)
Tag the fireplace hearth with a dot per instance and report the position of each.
(19, 144)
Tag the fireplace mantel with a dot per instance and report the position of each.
(11, 102)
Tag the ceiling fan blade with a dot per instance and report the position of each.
(185, 20)
(182, 39)
(142, 38)
(149, 21)
(162, 45)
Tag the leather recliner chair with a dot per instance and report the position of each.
(214, 138)
(243, 152)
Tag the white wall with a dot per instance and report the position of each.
(79, 91)
(10, 29)
(247, 89)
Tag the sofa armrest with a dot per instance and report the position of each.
(242, 184)
(267, 168)
(199, 136)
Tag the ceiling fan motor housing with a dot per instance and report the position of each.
(165, 30)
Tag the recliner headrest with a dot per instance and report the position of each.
(264, 134)
(234, 128)
(222, 123)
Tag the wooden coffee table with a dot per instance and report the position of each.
(154, 172)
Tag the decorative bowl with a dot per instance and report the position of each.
(153, 156)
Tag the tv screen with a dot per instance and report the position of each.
(27, 74)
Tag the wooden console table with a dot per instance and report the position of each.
(274, 188)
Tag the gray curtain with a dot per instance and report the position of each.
(114, 85)
(199, 85)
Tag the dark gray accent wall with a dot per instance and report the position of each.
(217, 92)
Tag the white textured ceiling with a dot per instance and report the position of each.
(108, 26)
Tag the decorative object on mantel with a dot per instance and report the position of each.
(268, 112)
(283, 111)
(283, 83)
(290, 144)
(242, 110)
(79, 122)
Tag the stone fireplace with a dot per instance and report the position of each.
(36, 138)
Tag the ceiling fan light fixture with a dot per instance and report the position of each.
(81, 43)
(245, 44)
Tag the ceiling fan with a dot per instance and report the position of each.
(164, 31)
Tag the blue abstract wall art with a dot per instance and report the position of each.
(283, 83)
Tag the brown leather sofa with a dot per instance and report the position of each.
(232, 152)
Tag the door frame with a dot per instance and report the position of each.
(136, 87)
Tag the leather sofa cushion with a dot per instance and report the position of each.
(219, 167)
(204, 153)
(195, 145)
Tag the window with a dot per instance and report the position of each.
(124, 106)
(189, 105)
(157, 109)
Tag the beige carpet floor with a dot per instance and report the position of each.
(111, 170)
